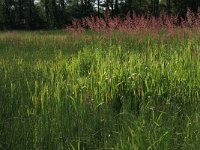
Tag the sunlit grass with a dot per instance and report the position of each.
(59, 91)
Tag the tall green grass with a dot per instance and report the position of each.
(59, 91)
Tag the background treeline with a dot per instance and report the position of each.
(37, 14)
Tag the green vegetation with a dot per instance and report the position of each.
(95, 91)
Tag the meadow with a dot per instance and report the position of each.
(87, 91)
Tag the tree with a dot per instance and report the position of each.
(169, 7)
(31, 13)
(155, 7)
(98, 7)
(62, 6)
(53, 13)
(116, 7)
(1, 15)
(47, 11)
(7, 13)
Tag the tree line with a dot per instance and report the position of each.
(37, 14)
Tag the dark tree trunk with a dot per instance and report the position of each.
(54, 12)
(62, 11)
(62, 5)
(89, 7)
(112, 7)
(20, 11)
(47, 11)
(129, 5)
(31, 16)
(156, 4)
(107, 8)
(85, 7)
(169, 7)
(98, 7)
(116, 7)
(155, 7)
(7, 14)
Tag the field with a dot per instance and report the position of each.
(95, 91)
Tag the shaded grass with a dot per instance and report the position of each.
(60, 91)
